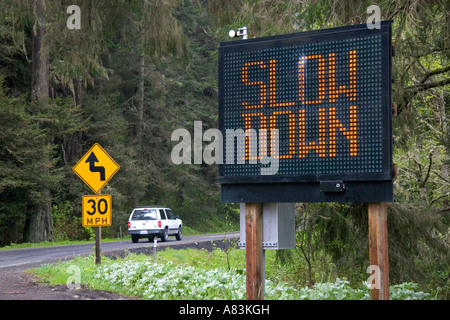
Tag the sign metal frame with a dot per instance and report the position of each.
(328, 187)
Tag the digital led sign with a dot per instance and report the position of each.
(307, 113)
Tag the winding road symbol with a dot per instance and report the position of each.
(92, 159)
(96, 168)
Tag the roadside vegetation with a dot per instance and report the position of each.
(127, 87)
(200, 274)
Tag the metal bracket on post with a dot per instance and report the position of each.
(278, 226)
(264, 226)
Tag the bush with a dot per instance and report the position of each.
(138, 276)
(152, 280)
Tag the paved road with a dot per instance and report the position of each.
(31, 257)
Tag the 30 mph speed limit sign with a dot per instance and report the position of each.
(96, 210)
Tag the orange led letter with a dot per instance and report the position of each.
(272, 88)
(333, 93)
(248, 125)
(273, 125)
(263, 87)
(349, 133)
(318, 147)
(301, 79)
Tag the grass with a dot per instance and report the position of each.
(199, 274)
(56, 274)
(188, 264)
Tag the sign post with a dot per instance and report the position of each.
(96, 168)
(254, 253)
(98, 245)
(307, 117)
(378, 250)
(96, 212)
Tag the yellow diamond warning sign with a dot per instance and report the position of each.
(96, 168)
(96, 210)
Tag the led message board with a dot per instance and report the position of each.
(307, 116)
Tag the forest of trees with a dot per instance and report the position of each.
(136, 70)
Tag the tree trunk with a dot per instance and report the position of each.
(40, 62)
(77, 85)
(39, 225)
(140, 123)
(141, 95)
(72, 144)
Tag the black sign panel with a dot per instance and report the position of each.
(307, 116)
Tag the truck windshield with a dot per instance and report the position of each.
(145, 214)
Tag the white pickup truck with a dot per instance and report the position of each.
(148, 222)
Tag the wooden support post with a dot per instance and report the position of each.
(254, 257)
(98, 245)
(98, 242)
(378, 250)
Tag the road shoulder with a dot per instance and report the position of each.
(22, 285)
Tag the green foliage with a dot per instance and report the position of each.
(19, 159)
(150, 67)
(198, 274)
(408, 291)
(67, 226)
